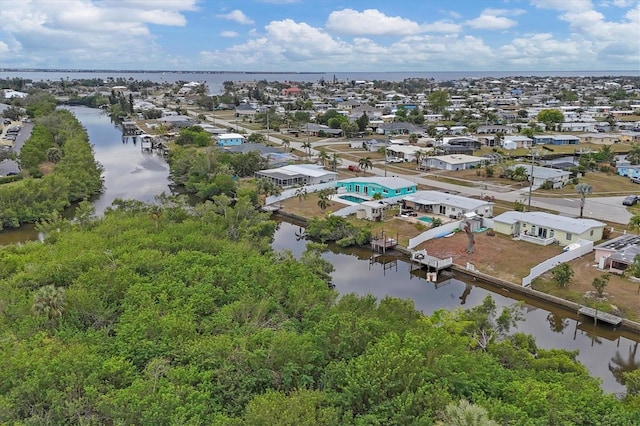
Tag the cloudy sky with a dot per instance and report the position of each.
(321, 35)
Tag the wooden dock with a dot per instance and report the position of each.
(600, 316)
(381, 243)
(422, 258)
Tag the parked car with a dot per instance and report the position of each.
(635, 179)
(353, 168)
(630, 200)
(395, 160)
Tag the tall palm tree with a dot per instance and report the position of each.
(286, 144)
(323, 156)
(49, 301)
(335, 160)
(606, 154)
(420, 155)
(465, 413)
(307, 146)
(583, 189)
(365, 163)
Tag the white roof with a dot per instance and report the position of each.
(230, 136)
(408, 149)
(458, 158)
(301, 169)
(437, 197)
(387, 182)
(562, 223)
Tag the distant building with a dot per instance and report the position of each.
(455, 162)
(230, 139)
(297, 174)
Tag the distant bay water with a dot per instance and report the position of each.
(215, 80)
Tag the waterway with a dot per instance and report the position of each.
(133, 174)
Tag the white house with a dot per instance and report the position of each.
(230, 139)
(546, 228)
(297, 174)
(559, 178)
(444, 204)
(455, 162)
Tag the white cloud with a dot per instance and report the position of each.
(487, 21)
(4, 47)
(369, 22)
(237, 16)
(569, 5)
(441, 27)
(229, 34)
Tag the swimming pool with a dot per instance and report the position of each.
(352, 198)
(426, 219)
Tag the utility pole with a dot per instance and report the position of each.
(531, 179)
(267, 126)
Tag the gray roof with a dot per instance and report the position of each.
(452, 200)
(561, 223)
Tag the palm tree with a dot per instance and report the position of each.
(323, 156)
(301, 193)
(634, 223)
(155, 212)
(420, 155)
(54, 155)
(583, 189)
(323, 200)
(307, 145)
(286, 144)
(465, 413)
(413, 138)
(606, 154)
(634, 154)
(365, 163)
(519, 174)
(335, 160)
(49, 301)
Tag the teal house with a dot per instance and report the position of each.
(370, 186)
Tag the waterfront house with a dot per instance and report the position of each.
(445, 204)
(455, 162)
(230, 139)
(297, 174)
(369, 186)
(618, 254)
(546, 228)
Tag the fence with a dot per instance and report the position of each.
(440, 231)
(583, 248)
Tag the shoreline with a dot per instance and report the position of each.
(566, 305)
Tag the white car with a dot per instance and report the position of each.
(395, 160)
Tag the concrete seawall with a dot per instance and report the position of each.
(627, 325)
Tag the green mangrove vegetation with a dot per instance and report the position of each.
(169, 314)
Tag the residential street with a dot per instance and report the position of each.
(608, 209)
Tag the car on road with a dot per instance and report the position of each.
(394, 160)
(630, 200)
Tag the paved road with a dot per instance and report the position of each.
(608, 209)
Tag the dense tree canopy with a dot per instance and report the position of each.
(174, 314)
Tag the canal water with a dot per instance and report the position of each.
(131, 173)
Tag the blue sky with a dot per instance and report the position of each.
(321, 35)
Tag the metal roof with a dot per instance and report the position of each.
(561, 223)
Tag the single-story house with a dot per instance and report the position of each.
(629, 137)
(558, 177)
(627, 170)
(515, 142)
(245, 110)
(555, 140)
(406, 152)
(297, 174)
(494, 128)
(399, 128)
(371, 210)
(230, 139)
(455, 162)
(599, 138)
(177, 121)
(578, 127)
(274, 156)
(618, 254)
(369, 186)
(445, 204)
(546, 228)
(319, 129)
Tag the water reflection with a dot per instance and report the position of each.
(355, 272)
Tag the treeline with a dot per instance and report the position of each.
(170, 314)
(58, 167)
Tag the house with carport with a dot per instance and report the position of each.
(372, 185)
(558, 178)
(454, 162)
(444, 204)
(617, 254)
(546, 228)
(297, 174)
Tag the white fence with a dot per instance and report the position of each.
(291, 192)
(433, 233)
(583, 248)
